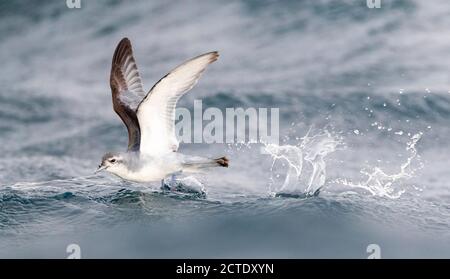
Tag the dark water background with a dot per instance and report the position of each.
(372, 77)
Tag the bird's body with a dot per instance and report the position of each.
(138, 167)
(150, 119)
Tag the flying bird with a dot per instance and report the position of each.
(150, 119)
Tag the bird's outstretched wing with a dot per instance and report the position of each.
(127, 92)
(156, 112)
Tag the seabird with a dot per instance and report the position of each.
(150, 119)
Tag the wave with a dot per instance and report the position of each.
(371, 79)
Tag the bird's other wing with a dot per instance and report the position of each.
(127, 92)
(156, 112)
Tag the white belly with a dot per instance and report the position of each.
(153, 169)
(147, 175)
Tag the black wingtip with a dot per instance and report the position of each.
(124, 42)
(123, 49)
(214, 56)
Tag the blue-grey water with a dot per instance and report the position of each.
(373, 81)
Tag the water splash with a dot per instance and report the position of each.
(313, 150)
(379, 183)
(188, 185)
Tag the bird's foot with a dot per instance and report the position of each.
(188, 185)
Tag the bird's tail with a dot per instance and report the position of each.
(203, 163)
(222, 161)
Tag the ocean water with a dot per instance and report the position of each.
(363, 158)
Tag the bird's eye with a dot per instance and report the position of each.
(112, 160)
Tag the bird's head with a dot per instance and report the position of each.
(112, 162)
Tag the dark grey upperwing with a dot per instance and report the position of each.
(127, 91)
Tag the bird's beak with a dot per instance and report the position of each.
(100, 168)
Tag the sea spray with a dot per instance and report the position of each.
(379, 183)
(311, 149)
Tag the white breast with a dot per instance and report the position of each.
(150, 169)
